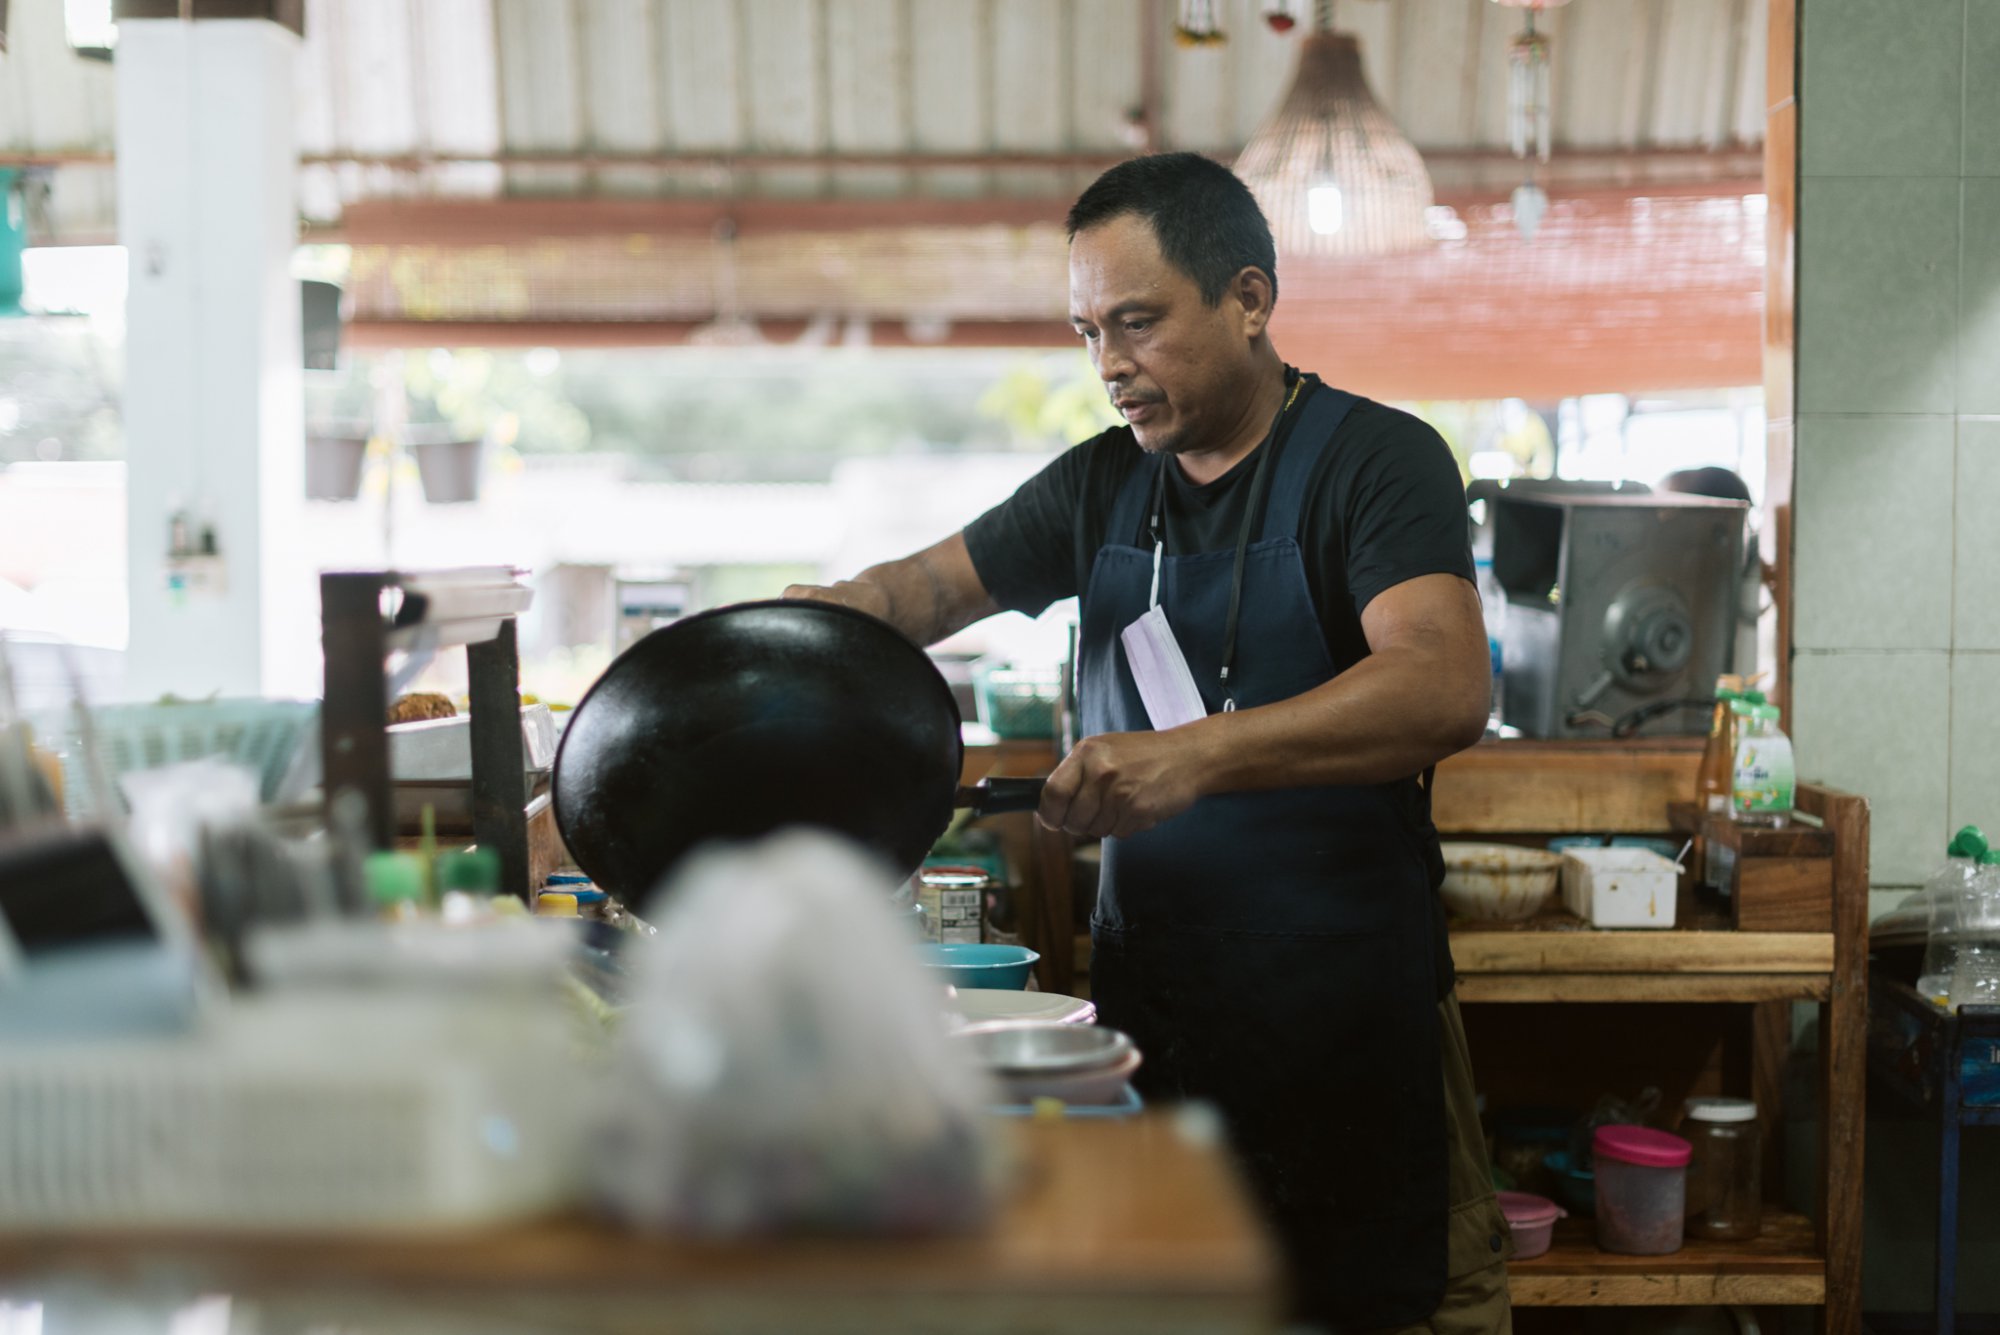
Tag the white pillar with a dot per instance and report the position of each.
(213, 417)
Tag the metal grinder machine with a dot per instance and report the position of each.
(1615, 602)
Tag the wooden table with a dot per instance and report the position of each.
(1112, 1227)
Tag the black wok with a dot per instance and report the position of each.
(748, 719)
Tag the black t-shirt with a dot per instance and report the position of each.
(1384, 504)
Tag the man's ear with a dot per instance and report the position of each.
(1252, 292)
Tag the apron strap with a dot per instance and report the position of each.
(1128, 511)
(1324, 410)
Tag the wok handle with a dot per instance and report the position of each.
(993, 797)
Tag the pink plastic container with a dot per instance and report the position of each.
(1532, 1220)
(1641, 1189)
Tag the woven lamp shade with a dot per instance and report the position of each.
(1330, 128)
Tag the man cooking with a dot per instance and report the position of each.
(1279, 637)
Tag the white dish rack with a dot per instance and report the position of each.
(314, 1112)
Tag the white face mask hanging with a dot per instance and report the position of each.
(1159, 668)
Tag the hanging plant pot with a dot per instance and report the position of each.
(448, 469)
(333, 464)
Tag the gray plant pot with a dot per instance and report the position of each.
(333, 467)
(448, 469)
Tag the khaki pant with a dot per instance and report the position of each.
(1478, 1243)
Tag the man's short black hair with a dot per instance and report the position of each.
(1207, 222)
(1721, 483)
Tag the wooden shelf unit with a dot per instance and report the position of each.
(1529, 787)
(1549, 788)
(1781, 1268)
(1558, 958)
(1526, 789)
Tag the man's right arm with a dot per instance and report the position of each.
(928, 596)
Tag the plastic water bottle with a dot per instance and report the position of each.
(1493, 606)
(1943, 893)
(1762, 785)
(1975, 974)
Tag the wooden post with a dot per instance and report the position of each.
(1057, 971)
(354, 702)
(1843, 1058)
(499, 775)
(1770, 1041)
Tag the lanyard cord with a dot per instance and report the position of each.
(1272, 441)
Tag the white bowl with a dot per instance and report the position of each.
(1087, 1088)
(1012, 1048)
(981, 1005)
(1498, 882)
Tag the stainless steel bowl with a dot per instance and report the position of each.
(1016, 1048)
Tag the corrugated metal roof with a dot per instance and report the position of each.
(1012, 104)
(427, 96)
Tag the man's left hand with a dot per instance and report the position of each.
(1117, 784)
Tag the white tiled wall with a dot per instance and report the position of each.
(1882, 88)
(1873, 532)
(1897, 429)
(1878, 291)
(1880, 724)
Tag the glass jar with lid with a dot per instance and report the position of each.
(1725, 1181)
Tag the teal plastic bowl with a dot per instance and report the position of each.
(1576, 1187)
(981, 966)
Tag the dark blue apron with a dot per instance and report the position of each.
(1273, 953)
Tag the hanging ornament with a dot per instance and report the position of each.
(1531, 204)
(1198, 25)
(1282, 15)
(1530, 112)
(1528, 93)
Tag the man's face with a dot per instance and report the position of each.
(1177, 368)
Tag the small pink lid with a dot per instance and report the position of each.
(1642, 1146)
(1525, 1209)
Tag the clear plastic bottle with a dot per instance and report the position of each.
(1762, 787)
(1493, 606)
(1975, 974)
(1718, 757)
(1943, 894)
(395, 883)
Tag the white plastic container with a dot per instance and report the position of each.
(1619, 887)
(1641, 1189)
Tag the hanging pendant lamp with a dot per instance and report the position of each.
(1330, 169)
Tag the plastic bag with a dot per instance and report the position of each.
(784, 1062)
(1611, 1110)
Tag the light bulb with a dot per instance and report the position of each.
(1323, 212)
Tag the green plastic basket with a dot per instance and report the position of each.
(278, 739)
(1018, 704)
